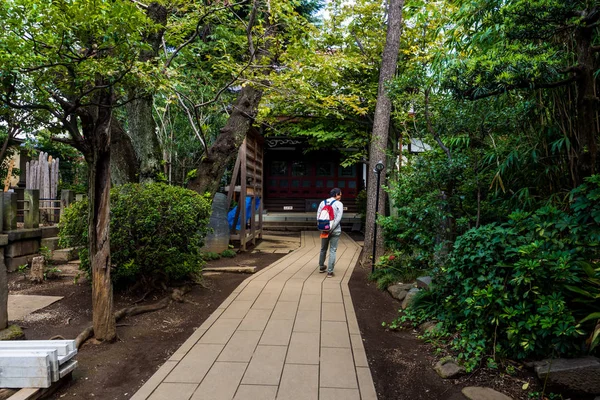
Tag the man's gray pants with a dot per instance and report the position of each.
(332, 242)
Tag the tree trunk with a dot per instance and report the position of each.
(140, 118)
(381, 123)
(224, 149)
(98, 158)
(124, 164)
(142, 131)
(587, 102)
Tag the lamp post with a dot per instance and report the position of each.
(378, 168)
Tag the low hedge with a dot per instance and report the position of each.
(156, 232)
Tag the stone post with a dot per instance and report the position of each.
(66, 198)
(2, 215)
(3, 293)
(9, 220)
(31, 215)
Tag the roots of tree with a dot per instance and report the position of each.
(176, 295)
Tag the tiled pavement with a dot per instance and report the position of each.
(286, 332)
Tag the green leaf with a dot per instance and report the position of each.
(595, 315)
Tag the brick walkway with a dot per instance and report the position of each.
(286, 332)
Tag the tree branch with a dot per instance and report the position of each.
(142, 5)
(70, 142)
(190, 116)
(430, 126)
(197, 31)
(358, 43)
(523, 85)
(218, 95)
(251, 21)
(574, 68)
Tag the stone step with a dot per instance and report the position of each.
(51, 243)
(65, 255)
(296, 226)
(68, 270)
(305, 217)
(49, 231)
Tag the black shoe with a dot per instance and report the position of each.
(330, 274)
(321, 270)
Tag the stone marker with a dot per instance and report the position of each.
(579, 375)
(9, 213)
(36, 274)
(3, 294)
(448, 368)
(483, 393)
(409, 297)
(67, 197)
(31, 215)
(217, 240)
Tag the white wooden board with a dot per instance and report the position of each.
(61, 346)
(68, 368)
(54, 363)
(26, 382)
(35, 363)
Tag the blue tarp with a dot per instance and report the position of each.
(231, 214)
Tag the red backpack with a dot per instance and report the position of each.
(326, 217)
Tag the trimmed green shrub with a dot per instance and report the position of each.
(525, 288)
(156, 232)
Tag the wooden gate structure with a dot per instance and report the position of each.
(248, 171)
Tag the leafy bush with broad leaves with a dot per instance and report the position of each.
(526, 288)
(412, 231)
(156, 232)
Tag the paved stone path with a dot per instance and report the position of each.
(287, 332)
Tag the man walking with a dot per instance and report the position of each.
(331, 238)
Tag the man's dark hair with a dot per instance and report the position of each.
(334, 192)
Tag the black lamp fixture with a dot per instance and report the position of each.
(378, 168)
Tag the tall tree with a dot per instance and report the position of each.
(271, 25)
(71, 61)
(511, 46)
(381, 126)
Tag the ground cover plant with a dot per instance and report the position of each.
(156, 232)
(525, 288)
